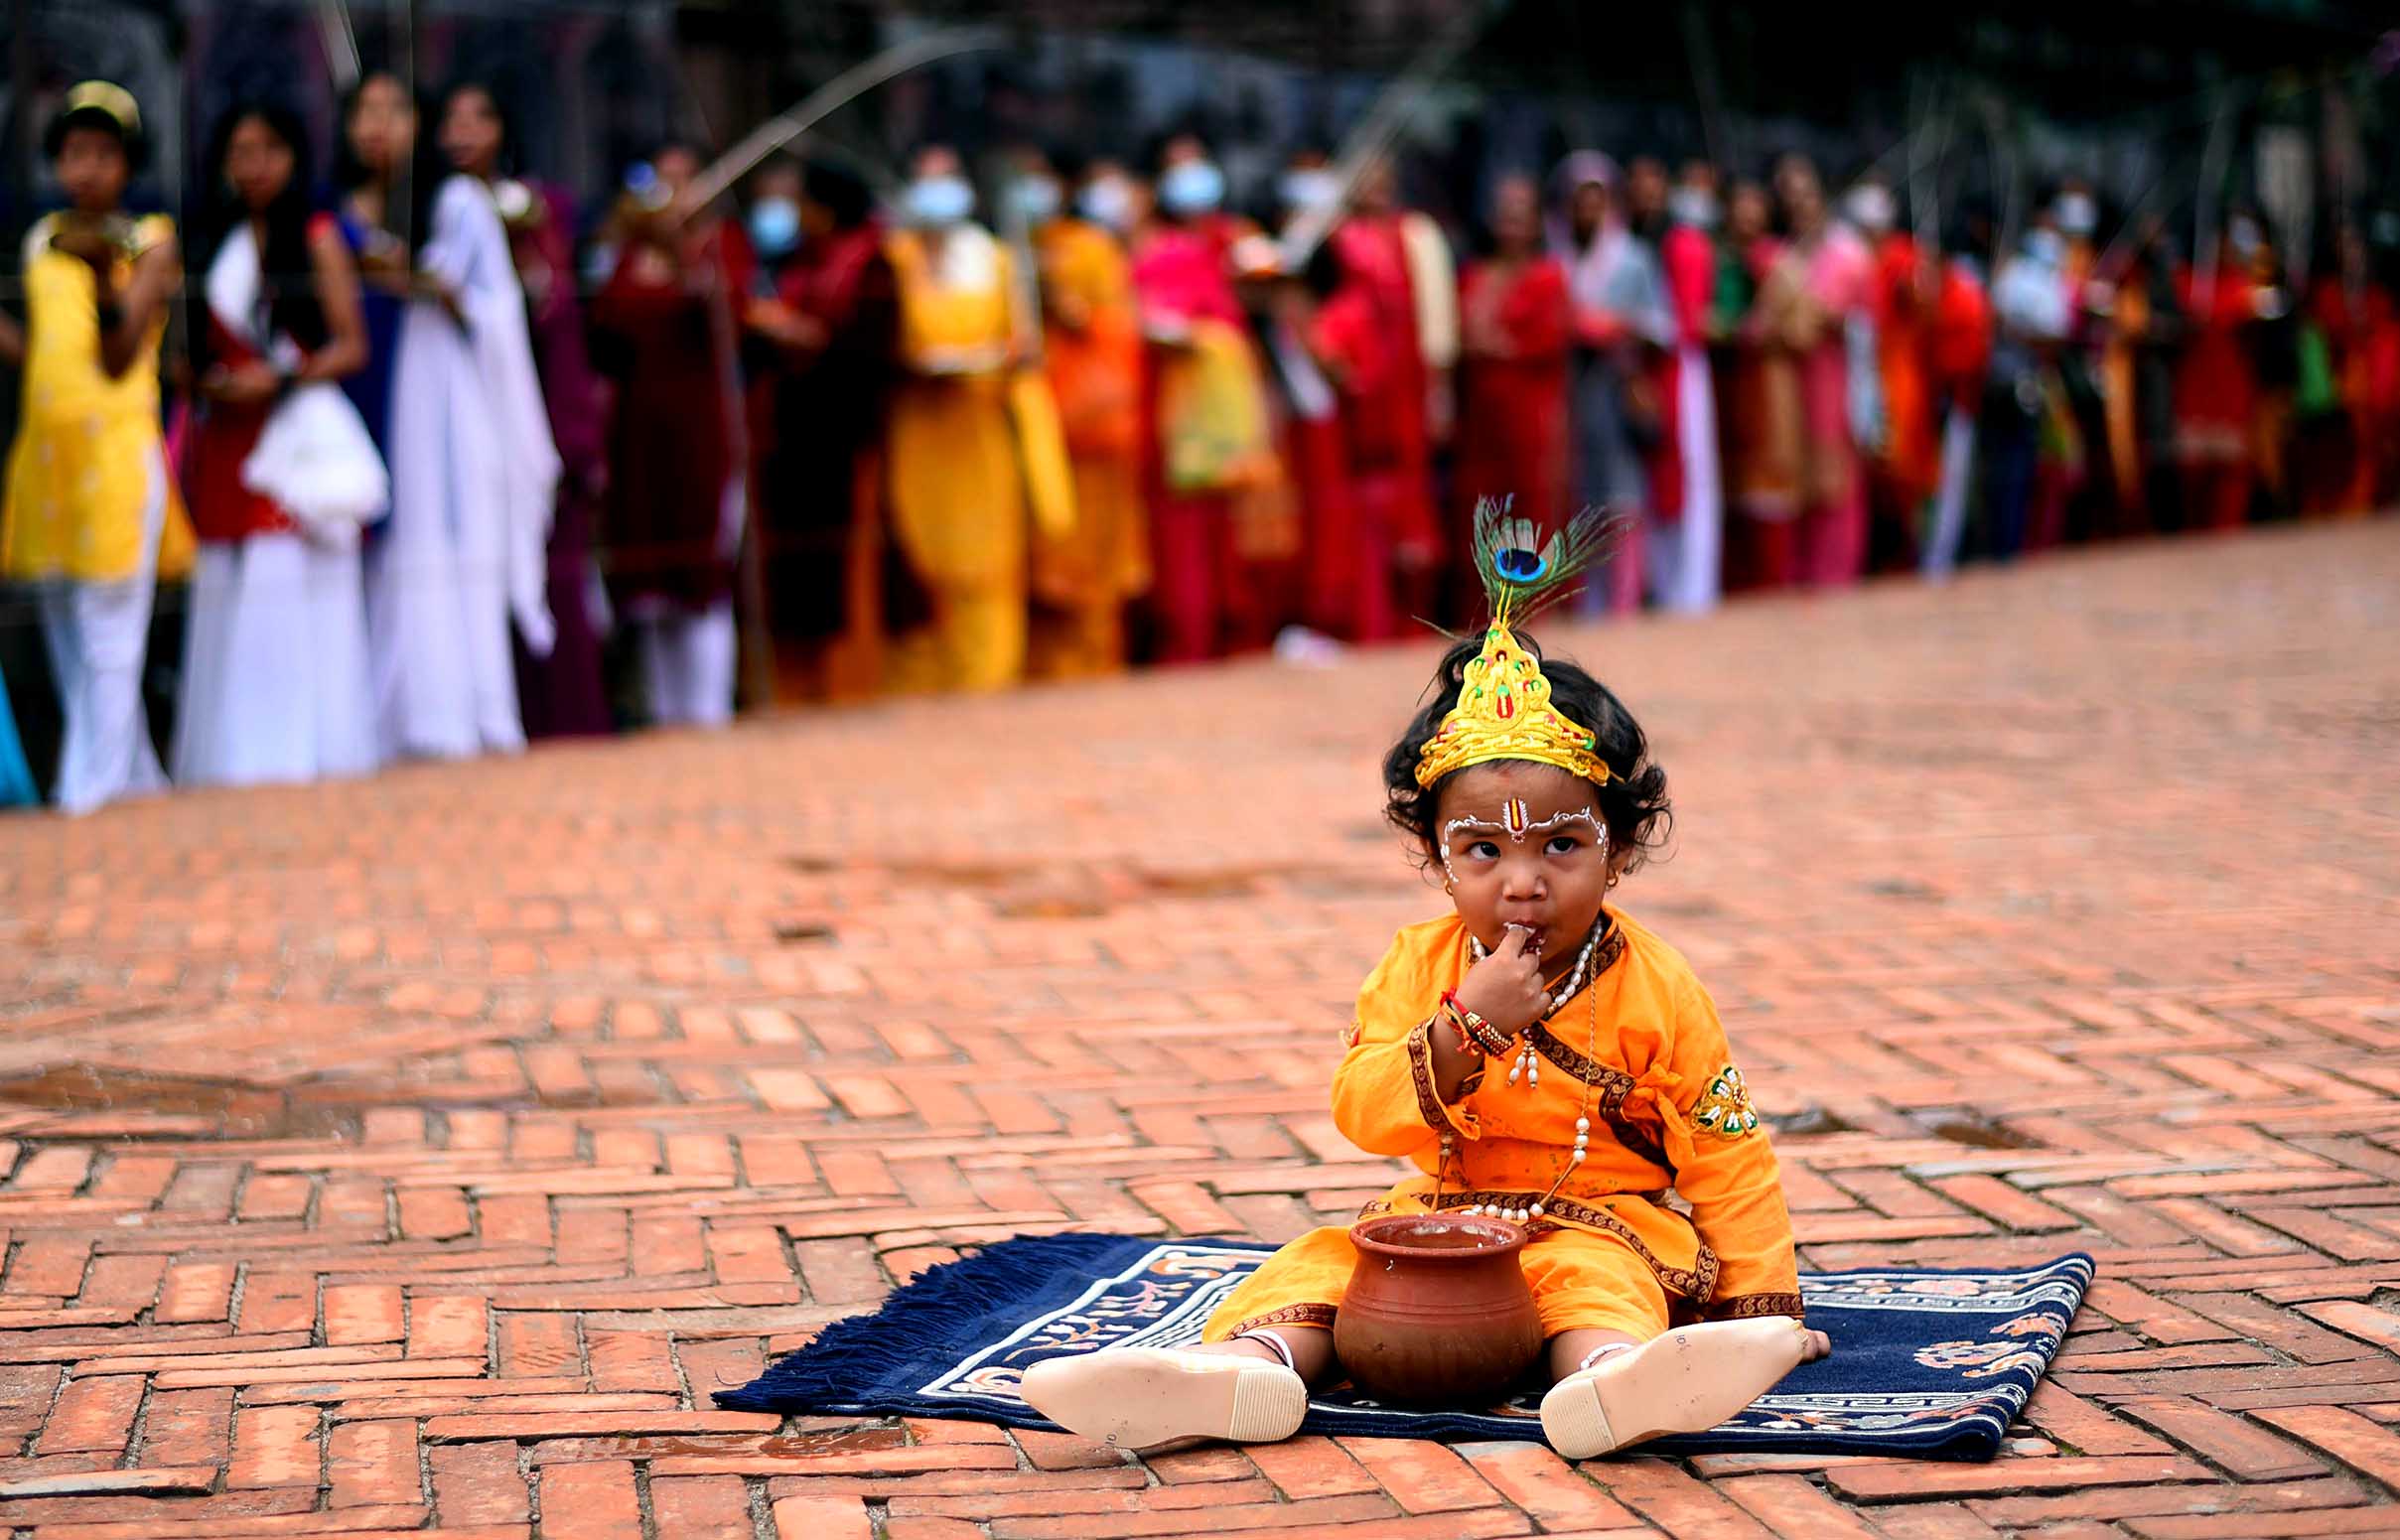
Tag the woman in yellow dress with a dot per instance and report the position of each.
(90, 513)
(972, 451)
(1537, 1056)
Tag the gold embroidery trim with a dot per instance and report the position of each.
(1289, 1316)
(1694, 1282)
(1742, 1306)
(1420, 1076)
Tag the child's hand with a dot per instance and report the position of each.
(1506, 988)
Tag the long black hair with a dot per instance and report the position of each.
(287, 275)
(506, 164)
(418, 182)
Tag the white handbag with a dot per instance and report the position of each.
(316, 460)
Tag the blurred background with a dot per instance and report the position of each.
(1096, 336)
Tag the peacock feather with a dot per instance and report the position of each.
(1524, 573)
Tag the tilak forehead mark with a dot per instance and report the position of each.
(1516, 825)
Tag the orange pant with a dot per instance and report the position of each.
(1581, 1281)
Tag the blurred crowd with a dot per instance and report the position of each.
(449, 462)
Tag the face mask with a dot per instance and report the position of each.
(1036, 198)
(932, 202)
(775, 225)
(2076, 214)
(1692, 206)
(1191, 186)
(2045, 246)
(1870, 208)
(2243, 235)
(1107, 201)
(641, 181)
(1311, 190)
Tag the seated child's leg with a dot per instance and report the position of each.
(1580, 1349)
(1235, 1385)
(1622, 1376)
(1687, 1381)
(1242, 1391)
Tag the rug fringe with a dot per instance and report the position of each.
(943, 1301)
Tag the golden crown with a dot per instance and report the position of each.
(1503, 709)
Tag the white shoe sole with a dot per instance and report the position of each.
(1138, 1398)
(1687, 1381)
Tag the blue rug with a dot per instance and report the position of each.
(1932, 1364)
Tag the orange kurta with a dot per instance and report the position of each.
(1093, 341)
(1668, 1111)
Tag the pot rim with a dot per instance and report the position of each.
(1509, 1238)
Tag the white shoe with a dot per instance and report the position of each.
(1137, 1398)
(1687, 1381)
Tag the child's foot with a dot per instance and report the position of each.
(1137, 1398)
(1687, 1381)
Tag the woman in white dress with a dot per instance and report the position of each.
(473, 464)
(275, 682)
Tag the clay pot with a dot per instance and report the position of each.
(1437, 1310)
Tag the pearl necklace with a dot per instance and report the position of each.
(1529, 1063)
(1575, 1157)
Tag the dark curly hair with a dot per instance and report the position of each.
(1632, 802)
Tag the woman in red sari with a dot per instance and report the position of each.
(1514, 323)
(664, 326)
(2217, 395)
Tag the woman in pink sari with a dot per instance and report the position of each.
(1190, 317)
(1831, 269)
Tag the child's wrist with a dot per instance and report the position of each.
(1477, 1036)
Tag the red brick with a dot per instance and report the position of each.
(1793, 1505)
(2376, 1520)
(363, 1313)
(538, 1345)
(2248, 1452)
(552, 1424)
(2085, 1428)
(195, 1290)
(144, 1479)
(278, 1301)
(374, 1463)
(94, 1414)
(1062, 1450)
(822, 1518)
(2363, 1444)
(275, 1446)
(1932, 1521)
(1195, 1498)
(1886, 1482)
(1422, 1478)
(478, 1484)
(188, 1428)
(447, 1325)
(2108, 1504)
(1222, 1520)
(1673, 1501)
(704, 1507)
(595, 1500)
(1544, 1485)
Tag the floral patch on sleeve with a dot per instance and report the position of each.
(1725, 1108)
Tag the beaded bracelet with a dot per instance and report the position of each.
(1476, 1035)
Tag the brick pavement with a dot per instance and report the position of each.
(413, 1157)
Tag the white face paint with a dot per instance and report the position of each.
(1515, 824)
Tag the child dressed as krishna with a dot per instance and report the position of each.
(1536, 1054)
